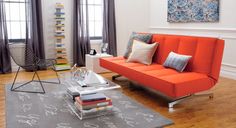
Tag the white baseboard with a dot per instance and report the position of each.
(228, 71)
(228, 74)
(15, 68)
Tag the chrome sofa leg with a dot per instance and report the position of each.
(171, 104)
(210, 95)
(116, 76)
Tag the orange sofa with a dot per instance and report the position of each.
(201, 73)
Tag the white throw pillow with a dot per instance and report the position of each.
(142, 52)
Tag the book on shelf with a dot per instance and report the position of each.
(59, 34)
(90, 104)
(95, 102)
(60, 49)
(59, 13)
(86, 107)
(92, 97)
(61, 62)
(59, 45)
(62, 36)
(93, 110)
(59, 37)
(62, 52)
(72, 92)
(61, 67)
(61, 56)
(60, 18)
(59, 31)
(60, 25)
(59, 5)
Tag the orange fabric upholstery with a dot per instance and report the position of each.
(217, 59)
(201, 73)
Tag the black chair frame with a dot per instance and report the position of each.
(34, 66)
(32, 80)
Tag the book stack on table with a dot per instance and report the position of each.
(93, 103)
(72, 92)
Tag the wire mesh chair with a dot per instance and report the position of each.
(33, 63)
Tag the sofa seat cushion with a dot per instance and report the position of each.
(119, 65)
(168, 81)
(186, 83)
(161, 72)
(131, 70)
(124, 63)
(148, 68)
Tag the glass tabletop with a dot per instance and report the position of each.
(87, 83)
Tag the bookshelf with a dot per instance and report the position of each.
(60, 50)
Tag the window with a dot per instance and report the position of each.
(95, 14)
(15, 19)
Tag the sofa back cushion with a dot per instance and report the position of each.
(201, 49)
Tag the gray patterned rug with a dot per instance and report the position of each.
(25, 110)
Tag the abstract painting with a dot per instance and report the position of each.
(193, 11)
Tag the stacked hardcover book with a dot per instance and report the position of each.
(91, 104)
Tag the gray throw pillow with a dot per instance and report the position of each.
(142, 52)
(177, 61)
(145, 37)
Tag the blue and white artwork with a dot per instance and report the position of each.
(193, 11)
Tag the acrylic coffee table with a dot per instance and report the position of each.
(68, 81)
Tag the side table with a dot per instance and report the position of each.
(92, 62)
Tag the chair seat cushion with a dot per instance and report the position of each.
(168, 81)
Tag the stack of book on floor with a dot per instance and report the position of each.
(93, 103)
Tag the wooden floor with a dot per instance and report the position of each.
(200, 112)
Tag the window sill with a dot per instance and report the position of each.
(95, 41)
(17, 45)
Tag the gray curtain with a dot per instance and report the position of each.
(5, 61)
(34, 31)
(109, 26)
(81, 41)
